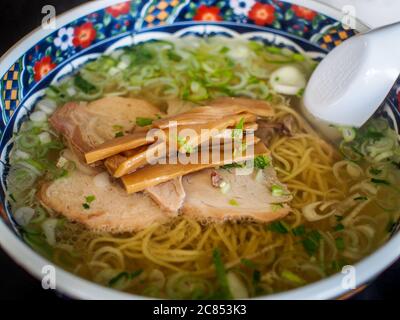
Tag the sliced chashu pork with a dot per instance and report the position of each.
(113, 210)
(86, 125)
(108, 114)
(248, 196)
(169, 195)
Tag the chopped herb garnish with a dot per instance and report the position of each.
(339, 227)
(374, 135)
(298, 57)
(339, 243)
(233, 202)
(224, 50)
(240, 125)
(300, 93)
(396, 164)
(248, 263)
(299, 231)
(173, 56)
(63, 173)
(84, 85)
(119, 134)
(221, 274)
(276, 206)
(361, 198)
(233, 165)
(292, 277)
(390, 226)
(256, 277)
(238, 131)
(88, 199)
(270, 49)
(261, 162)
(311, 242)
(124, 275)
(117, 127)
(142, 122)
(380, 181)
(338, 218)
(279, 227)
(181, 141)
(337, 266)
(277, 190)
(375, 171)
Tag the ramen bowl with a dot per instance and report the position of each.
(47, 55)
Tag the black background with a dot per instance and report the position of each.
(19, 17)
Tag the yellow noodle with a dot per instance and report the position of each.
(304, 162)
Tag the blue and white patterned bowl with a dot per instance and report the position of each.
(44, 56)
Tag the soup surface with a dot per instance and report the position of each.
(337, 202)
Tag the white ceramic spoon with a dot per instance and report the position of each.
(353, 80)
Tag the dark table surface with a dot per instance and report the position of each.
(19, 17)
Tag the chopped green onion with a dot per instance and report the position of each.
(142, 122)
(256, 277)
(339, 227)
(84, 85)
(233, 202)
(337, 266)
(221, 274)
(311, 242)
(276, 206)
(85, 206)
(279, 227)
(339, 242)
(248, 263)
(124, 276)
(373, 135)
(299, 231)
(361, 198)
(277, 190)
(300, 93)
(262, 161)
(233, 165)
(375, 171)
(292, 277)
(28, 141)
(117, 127)
(224, 50)
(348, 133)
(390, 226)
(173, 56)
(225, 187)
(380, 181)
(90, 198)
(270, 49)
(238, 131)
(119, 134)
(339, 218)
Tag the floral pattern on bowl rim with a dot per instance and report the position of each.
(98, 30)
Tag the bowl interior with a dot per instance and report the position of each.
(44, 58)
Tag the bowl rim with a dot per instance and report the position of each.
(77, 287)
